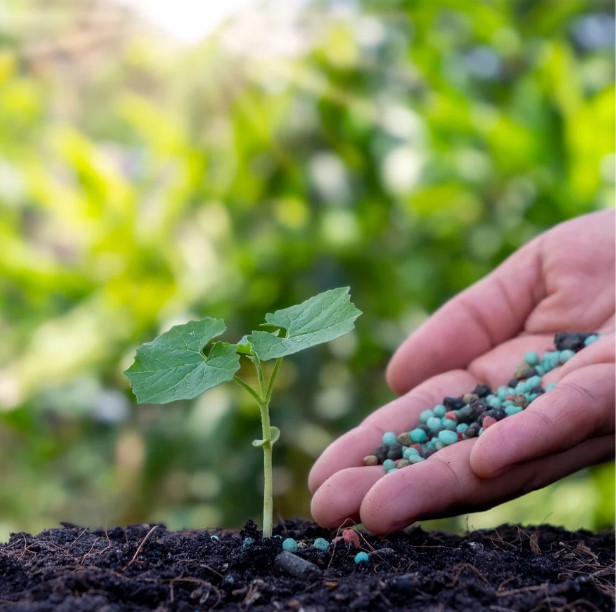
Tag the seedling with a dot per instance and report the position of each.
(184, 362)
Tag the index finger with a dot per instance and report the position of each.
(469, 325)
(549, 285)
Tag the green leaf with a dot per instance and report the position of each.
(243, 347)
(319, 319)
(275, 432)
(174, 367)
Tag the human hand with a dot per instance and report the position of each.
(563, 280)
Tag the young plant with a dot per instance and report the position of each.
(184, 362)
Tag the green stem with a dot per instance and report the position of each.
(270, 385)
(268, 500)
(263, 403)
(248, 388)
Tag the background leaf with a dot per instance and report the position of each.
(173, 366)
(319, 319)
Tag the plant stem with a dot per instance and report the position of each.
(260, 377)
(263, 400)
(248, 388)
(268, 501)
(270, 385)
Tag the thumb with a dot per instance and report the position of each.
(581, 407)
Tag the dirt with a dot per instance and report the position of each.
(146, 567)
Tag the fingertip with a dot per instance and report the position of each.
(382, 512)
(345, 452)
(319, 472)
(313, 479)
(381, 526)
(339, 498)
(328, 521)
(396, 380)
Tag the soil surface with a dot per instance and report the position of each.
(146, 567)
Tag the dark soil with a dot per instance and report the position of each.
(146, 567)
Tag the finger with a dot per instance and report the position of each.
(543, 286)
(485, 315)
(578, 264)
(338, 499)
(580, 407)
(445, 485)
(399, 415)
(601, 351)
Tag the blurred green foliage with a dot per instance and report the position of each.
(403, 149)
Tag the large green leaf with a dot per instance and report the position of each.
(174, 367)
(319, 319)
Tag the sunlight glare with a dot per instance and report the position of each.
(186, 20)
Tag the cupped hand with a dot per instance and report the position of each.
(561, 281)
